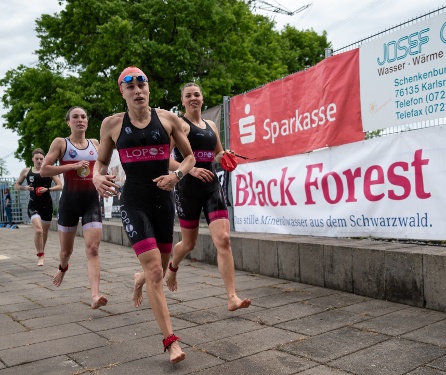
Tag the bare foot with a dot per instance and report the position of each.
(41, 260)
(236, 303)
(58, 277)
(171, 281)
(137, 290)
(98, 302)
(175, 353)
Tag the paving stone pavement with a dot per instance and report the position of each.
(291, 328)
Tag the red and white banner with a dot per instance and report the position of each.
(305, 111)
(389, 187)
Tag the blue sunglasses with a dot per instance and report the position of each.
(129, 79)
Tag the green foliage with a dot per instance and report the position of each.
(220, 44)
(39, 100)
(302, 49)
(373, 134)
(3, 170)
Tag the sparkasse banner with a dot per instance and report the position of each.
(403, 75)
(389, 187)
(305, 111)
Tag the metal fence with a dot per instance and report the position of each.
(20, 201)
(409, 126)
(402, 25)
(17, 209)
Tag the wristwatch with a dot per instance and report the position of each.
(179, 174)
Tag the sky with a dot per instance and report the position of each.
(346, 22)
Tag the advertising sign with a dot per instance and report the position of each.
(305, 111)
(389, 187)
(403, 75)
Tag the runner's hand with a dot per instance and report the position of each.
(105, 185)
(202, 174)
(166, 182)
(81, 164)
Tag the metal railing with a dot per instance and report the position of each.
(413, 21)
(20, 200)
(409, 126)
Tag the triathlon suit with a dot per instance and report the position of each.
(193, 195)
(147, 212)
(39, 206)
(79, 196)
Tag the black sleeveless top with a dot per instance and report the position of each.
(203, 143)
(36, 180)
(144, 153)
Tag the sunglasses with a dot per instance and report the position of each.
(129, 79)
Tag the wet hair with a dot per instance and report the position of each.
(190, 84)
(67, 116)
(38, 151)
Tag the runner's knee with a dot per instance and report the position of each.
(92, 249)
(188, 245)
(155, 275)
(222, 241)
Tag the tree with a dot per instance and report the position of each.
(3, 170)
(39, 100)
(302, 49)
(220, 44)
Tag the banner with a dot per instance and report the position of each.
(389, 187)
(305, 111)
(403, 75)
(115, 168)
(108, 207)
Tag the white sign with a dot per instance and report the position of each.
(389, 187)
(403, 75)
(108, 207)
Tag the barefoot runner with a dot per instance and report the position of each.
(40, 205)
(142, 138)
(201, 191)
(77, 156)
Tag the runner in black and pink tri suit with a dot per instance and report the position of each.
(201, 191)
(193, 195)
(147, 211)
(142, 137)
(77, 156)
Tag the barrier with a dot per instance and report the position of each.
(412, 274)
